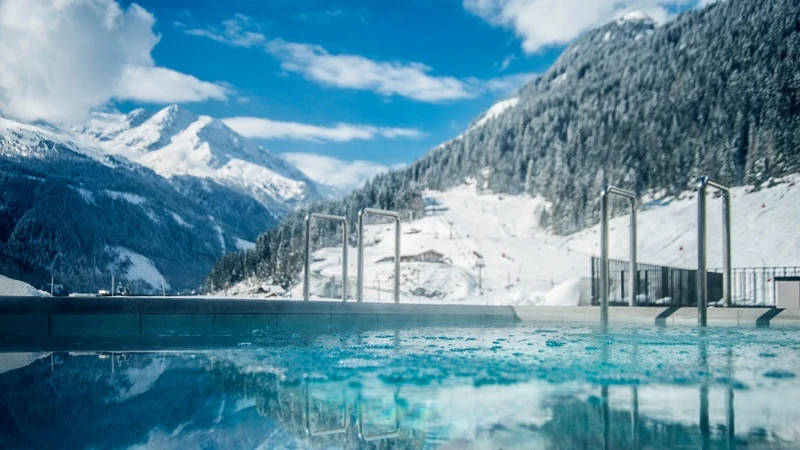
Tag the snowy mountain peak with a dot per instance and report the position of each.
(158, 130)
(137, 117)
(172, 115)
(638, 17)
(174, 142)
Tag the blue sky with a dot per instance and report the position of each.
(372, 80)
(403, 32)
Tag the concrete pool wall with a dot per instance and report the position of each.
(151, 316)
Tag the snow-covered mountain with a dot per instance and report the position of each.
(152, 199)
(630, 104)
(175, 143)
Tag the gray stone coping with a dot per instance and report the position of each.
(153, 316)
(663, 316)
(158, 316)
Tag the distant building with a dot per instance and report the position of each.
(427, 256)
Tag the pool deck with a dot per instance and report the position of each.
(153, 316)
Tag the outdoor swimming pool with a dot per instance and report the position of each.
(512, 387)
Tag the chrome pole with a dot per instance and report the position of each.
(360, 282)
(606, 419)
(397, 261)
(345, 234)
(604, 270)
(360, 262)
(726, 249)
(307, 269)
(379, 436)
(634, 276)
(730, 418)
(307, 265)
(702, 288)
(327, 431)
(604, 257)
(635, 417)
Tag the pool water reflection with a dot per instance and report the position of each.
(444, 388)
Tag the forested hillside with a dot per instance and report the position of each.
(80, 216)
(713, 92)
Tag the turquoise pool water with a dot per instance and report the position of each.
(521, 387)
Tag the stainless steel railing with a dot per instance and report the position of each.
(702, 287)
(360, 282)
(307, 268)
(604, 195)
(327, 431)
(378, 436)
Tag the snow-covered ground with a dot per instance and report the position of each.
(525, 264)
(132, 266)
(14, 288)
(13, 361)
(496, 110)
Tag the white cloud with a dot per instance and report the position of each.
(160, 85)
(255, 127)
(507, 62)
(62, 58)
(237, 31)
(506, 85)
(542, 23)
(343, 176)
(412, 80)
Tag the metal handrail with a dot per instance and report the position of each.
(327, 431)
(307, 267)
(360, 283)
(702, 287)
(376, 437)
(604, 195)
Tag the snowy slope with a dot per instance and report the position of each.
(15, 288)
(525, 264)
(491, 114)
(174, 142)
(495, 111)
(35, 141)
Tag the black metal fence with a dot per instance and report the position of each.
(656, 285)
(755, 286)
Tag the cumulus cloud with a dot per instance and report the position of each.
(255, 127)
(412, 80)
(542, 23)
(62, 58)
(343, 176)
(506, 85)
(159, 85)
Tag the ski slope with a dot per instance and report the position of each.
(525, 264)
